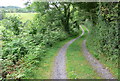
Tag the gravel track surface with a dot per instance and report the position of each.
(60, 61)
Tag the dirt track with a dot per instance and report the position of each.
(60, 61)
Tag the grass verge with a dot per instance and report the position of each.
(77, 65)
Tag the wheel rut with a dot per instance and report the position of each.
(60, 60)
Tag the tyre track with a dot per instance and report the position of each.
(59, 71)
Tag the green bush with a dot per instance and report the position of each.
(25, 45)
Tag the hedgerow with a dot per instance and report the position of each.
(103, 38)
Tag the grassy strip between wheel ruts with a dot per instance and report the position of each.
(45, 68)
(77, 65)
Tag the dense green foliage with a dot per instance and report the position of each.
(103, 38)
(25, 43)
(30, 42)
(64, 15)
